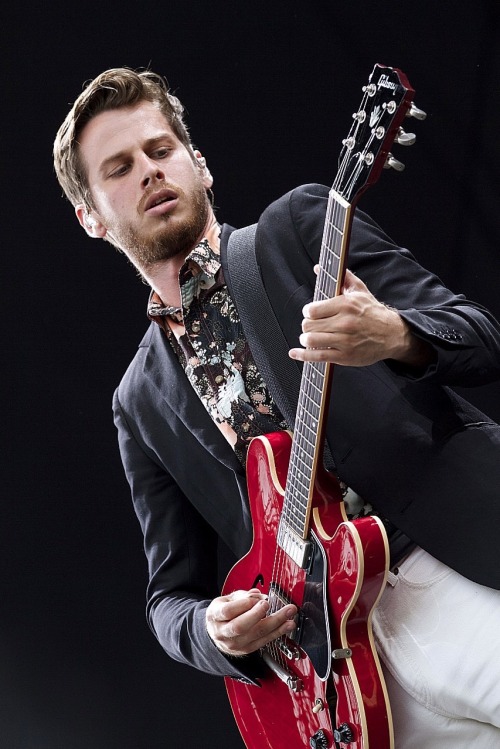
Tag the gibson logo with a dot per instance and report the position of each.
(384, 82)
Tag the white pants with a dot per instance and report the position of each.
(438, 635)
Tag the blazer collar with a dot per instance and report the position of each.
(162, 367)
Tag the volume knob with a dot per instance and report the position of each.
(318, 741)
(343, 734)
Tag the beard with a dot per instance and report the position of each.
(174, 239)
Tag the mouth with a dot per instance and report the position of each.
(161, 202)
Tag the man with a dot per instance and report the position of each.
(193, 398)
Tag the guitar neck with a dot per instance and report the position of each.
(307, 446)
(387, 99)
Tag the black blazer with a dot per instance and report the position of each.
(423, 457)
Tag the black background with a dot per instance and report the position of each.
(269, 88)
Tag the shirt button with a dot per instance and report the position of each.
(219, 379)
(195, 327)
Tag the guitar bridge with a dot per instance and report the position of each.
(293, 682)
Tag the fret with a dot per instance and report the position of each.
(310, 399)
(329, 275)
(318, 367)
(299, 511)
(332, 250)
(304, 464)
(296, 526)
(302, 438)
(311, 429)
(316, 388)
(338, 229)
(302, 479)
(315, 382)
(309, 408)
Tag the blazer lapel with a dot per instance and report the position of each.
(163, 368)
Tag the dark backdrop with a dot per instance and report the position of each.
(270, 88)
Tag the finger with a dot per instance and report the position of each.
(259, 619)
(322, 308)
(256, 627)
(332, 356)
(322, 339)
(353, 283)
(227, 608)
(252, 593)
(276, 625)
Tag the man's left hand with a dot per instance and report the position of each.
(355, 329)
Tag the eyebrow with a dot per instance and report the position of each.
(121, 155)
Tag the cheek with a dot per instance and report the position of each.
(115, 205)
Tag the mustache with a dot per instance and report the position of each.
(156, 187)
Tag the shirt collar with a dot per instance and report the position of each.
(198, 273)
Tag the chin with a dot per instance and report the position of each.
(172, 241)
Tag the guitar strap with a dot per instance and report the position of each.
(269, 345)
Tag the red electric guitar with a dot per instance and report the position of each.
(323, 686)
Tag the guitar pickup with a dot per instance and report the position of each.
(297, 548)
(278, 600)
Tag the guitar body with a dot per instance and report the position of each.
(307, 697)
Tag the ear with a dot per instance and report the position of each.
(208, 180)
(90, 222)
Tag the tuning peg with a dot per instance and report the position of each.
(392, 163)
(405, 139)
(414, 111)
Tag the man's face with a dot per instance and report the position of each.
(149, 193)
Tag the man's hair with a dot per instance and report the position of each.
(115, 88)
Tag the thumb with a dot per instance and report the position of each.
(352, 283)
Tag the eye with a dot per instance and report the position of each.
(161, 153)
(119, 171)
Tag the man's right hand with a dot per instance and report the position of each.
(239, 623)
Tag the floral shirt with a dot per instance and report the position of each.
(214, 353)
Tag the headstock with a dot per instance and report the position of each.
(387, 100)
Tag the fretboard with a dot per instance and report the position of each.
(307, 447)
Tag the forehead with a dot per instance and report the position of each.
(118, 130)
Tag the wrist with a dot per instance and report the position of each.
(406, 347)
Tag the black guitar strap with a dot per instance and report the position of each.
(269, 345)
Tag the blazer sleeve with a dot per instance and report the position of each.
(182, 553)
(465, 336)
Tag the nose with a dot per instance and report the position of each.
(151, 172)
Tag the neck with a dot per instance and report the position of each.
(163, 277)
